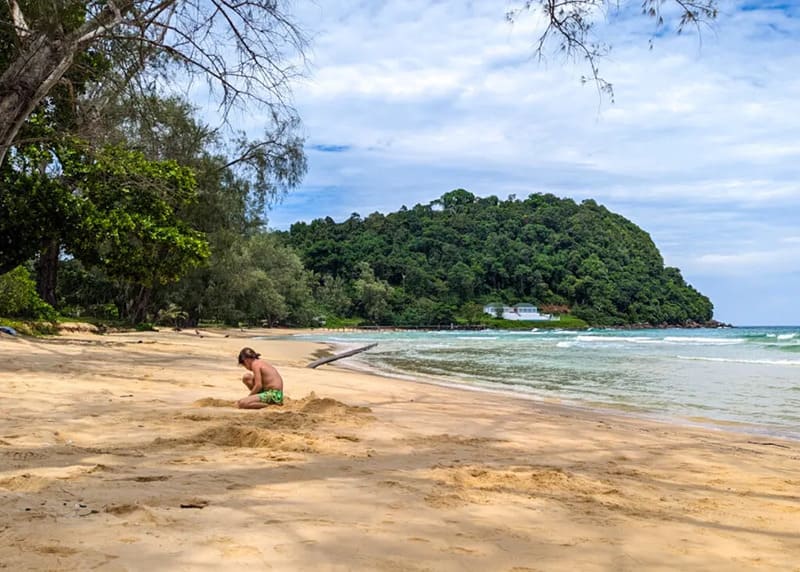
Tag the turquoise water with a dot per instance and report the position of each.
(749, 377)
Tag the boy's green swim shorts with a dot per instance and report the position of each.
(271, 396)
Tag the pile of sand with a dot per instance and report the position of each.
(293, 427)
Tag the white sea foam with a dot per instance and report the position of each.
(565, 344)
(638, 340)
(607, 339)
(709, 341)
(787, 336)
(789, 362)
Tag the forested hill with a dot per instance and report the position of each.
(432, 262)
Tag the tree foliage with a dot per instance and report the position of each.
(18, 297)
(115, 209)
(433, 262)
(243, 50)
(130, 226)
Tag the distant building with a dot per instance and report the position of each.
(527, 312)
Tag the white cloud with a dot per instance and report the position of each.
(389, 81)
(701, 147)
(775, 260)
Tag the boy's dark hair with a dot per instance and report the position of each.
(248, 353)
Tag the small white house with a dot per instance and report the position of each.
(527, 312)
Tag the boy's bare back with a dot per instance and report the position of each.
(267, 375)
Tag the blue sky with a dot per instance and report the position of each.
(404, 101)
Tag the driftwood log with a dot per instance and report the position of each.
(329, 359)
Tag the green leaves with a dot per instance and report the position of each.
(129, 224)
(114, 209)
(18, 297)
(252, 280)
(423, 262)
(34, 208)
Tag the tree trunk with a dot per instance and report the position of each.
(47, 272)
(140, 304)
(193, 319)
(30, 76)
(316, 363)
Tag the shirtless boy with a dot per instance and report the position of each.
(263, 381)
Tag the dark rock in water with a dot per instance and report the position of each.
(716, 324)
(8, 330)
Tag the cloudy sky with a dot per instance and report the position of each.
(404, 101)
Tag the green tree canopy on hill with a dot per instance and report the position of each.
(461, 249)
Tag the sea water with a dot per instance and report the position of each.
(748, 377)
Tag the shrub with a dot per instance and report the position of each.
(31, 328)
(18, 297)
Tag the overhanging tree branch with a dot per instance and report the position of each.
(244, 50)
(18, 20)
(571, 23)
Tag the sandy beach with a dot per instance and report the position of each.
(123, 452)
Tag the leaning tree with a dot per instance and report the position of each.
(245, 50)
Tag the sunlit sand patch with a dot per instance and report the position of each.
(25, 482)
(37, 479)
(232, 549)
(472, 483)
(518, 480)
(439, 499)
(587, 497)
